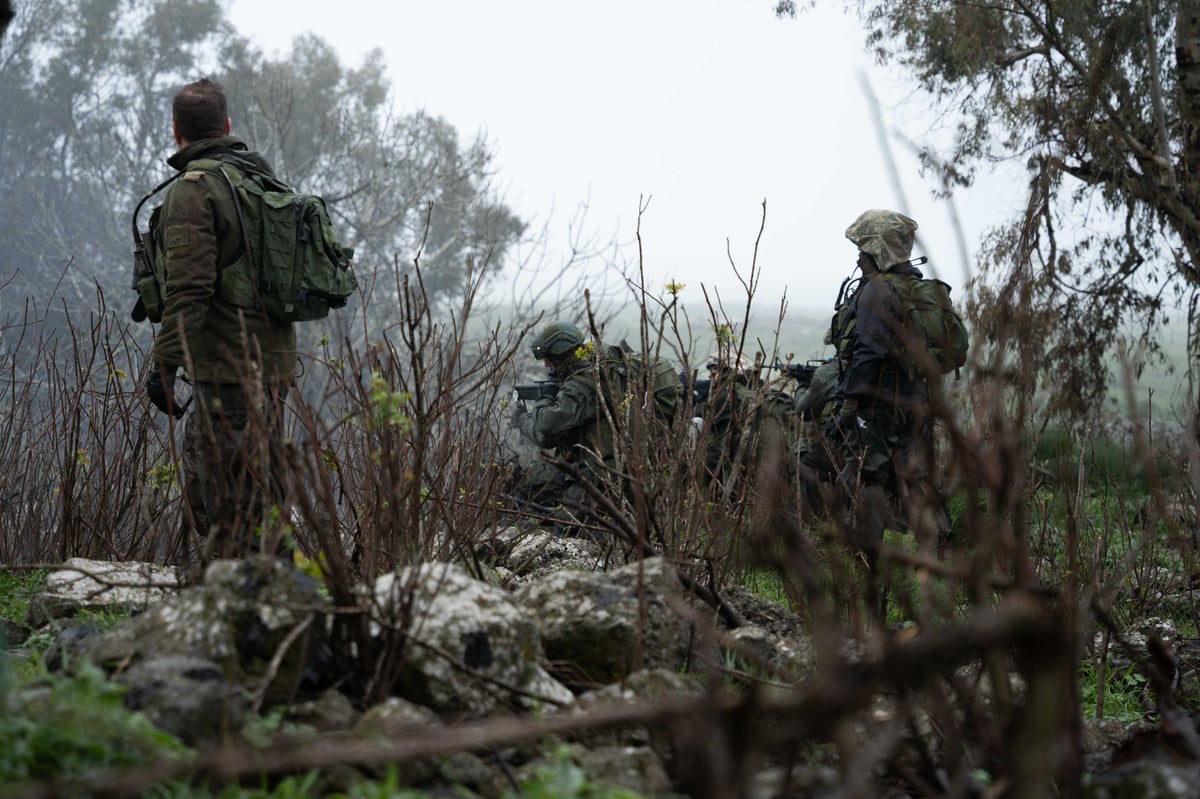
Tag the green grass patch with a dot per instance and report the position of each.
(54, 727)
(17, 587)
(1124, 690)
(766, 583)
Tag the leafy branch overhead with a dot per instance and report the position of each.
(1099, 104)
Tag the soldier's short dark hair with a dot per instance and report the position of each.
(199, 110)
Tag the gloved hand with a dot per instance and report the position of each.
(518, 411)
(844, 422)
(160, 388)
(848, 413)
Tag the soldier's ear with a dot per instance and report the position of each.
(228, 125)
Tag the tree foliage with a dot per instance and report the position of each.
(87, 84)
(1100, 102)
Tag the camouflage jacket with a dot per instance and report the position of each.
(199, 229)
(571, 419)
(812, 402)
(872, 373)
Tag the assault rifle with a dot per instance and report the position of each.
(802, 373)
(699, 388)
(538, 390)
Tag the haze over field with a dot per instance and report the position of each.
(699, 112)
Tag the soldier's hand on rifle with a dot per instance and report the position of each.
(160, 388)
(844, 423)
(518, 411)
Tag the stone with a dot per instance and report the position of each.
(635, 768)
(82, 584)
(244, 616)
(188, 697)
(604, 626)
(332, 711)
(470, 648)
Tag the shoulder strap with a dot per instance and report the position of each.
(237, 204)
(137, 236)
(214, 165)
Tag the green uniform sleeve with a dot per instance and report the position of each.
(191, 252)
(570, 410)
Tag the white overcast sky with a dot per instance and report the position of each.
(707, 108)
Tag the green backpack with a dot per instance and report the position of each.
(291, 265)
(629, 371)
(933, 320)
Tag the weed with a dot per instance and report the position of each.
(1123, 695)
(56, 726)
(16, 589)
(563, 779)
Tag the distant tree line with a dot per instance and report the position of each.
(86, 87)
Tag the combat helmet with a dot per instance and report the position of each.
(725, 358)
(887, 236)
(557, 339)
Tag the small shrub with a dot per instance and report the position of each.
(16, 589)
(54, 727)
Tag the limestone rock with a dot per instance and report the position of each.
(101, 585)
(186, 696)
(470, 647)
(594, 624)
(243, 617)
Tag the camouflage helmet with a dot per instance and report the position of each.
(726, 358)
(556, 339)
(886, 235)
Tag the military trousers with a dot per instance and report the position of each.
(234, 468)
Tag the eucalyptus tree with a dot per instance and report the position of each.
(1100, 103)
(86, 87)
(403, 187)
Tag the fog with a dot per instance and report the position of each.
(674, 131)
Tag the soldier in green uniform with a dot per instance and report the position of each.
(728, 416)
(570, 422)
(882, 417)
(240, 361)
(593, 405)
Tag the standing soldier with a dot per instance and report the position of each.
(882, 421)
(241, 360)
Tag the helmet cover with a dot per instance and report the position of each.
(887, 236)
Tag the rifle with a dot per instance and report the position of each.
(802, 373)
(698, 388)
(542, 388)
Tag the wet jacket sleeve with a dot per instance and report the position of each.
(572, 408)
(877, 322)
(191, 252)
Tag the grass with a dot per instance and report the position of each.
(1124, 693)
(56, 727)
(17, 587)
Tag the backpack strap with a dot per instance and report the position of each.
(237, 204)
(213, 164)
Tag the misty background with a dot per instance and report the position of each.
(693, 153)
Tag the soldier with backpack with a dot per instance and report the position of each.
(240, 359)
(896, 332)
(595, 403)
(728, 415)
